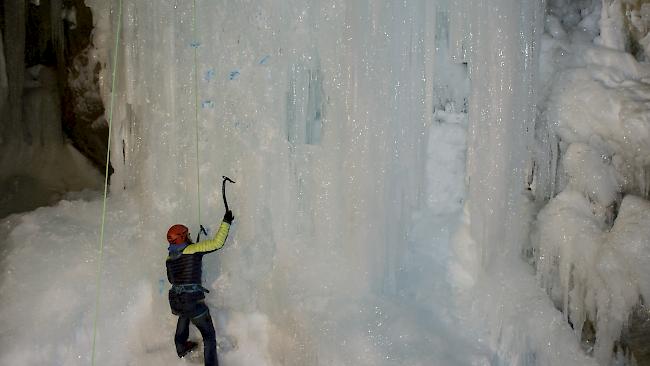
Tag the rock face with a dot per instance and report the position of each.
(591, 235)
(635, 337)
(58, 35)
(50, 103)
(83, 109)
(637, 21)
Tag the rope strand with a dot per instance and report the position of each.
(108, 156)
(196, 110)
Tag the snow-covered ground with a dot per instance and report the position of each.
(390, 158)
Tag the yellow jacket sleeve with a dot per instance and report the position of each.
(210, 245)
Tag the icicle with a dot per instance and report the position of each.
(58, 40)
(15, 20)
(611, 25)
(458, 34)
(4, 86)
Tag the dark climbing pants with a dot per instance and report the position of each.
(203, 322)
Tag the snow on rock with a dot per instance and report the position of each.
(568, 237)
(590, 171)
(629, 237)
(590, 240)
(610, 117)
(599, 97)
(594, 275)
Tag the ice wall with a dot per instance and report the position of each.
(345, 126)
(289, 94)
(323, 112)
(500, 42)
(587, 239)
(503, 60)
(269, 77)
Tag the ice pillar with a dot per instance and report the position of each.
(14, 36)
(503, 46)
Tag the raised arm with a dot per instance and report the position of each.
(215, 243)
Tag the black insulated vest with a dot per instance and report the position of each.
(183, 269)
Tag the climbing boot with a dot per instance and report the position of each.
(187, 348)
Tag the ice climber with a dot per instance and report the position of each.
(187, 296)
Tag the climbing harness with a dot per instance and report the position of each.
(191, 287)
(108, 156)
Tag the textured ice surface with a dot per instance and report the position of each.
(366, 231)
(588, 236)
(348, 190)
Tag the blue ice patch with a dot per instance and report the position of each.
(264, 60)
(209, 75)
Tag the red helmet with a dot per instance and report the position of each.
(177, 234)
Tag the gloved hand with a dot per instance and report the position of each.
(228, 217)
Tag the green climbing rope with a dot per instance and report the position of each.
(196, 110)
(108, 157)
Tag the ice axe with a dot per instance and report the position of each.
(201, 230)
(223, 190)
(225, 202)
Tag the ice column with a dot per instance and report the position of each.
(503, 48)
(15, 14)
(3, 77)
(58, 38)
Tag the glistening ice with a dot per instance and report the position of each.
(418, 183)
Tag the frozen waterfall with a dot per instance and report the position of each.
(426, 182)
